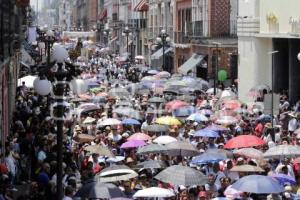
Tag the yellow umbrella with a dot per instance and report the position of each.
(170, 121)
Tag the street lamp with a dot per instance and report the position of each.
(163, 38)
(62, 75)
(217, 66)
(127, 33)
(107, 33)
(272, 53)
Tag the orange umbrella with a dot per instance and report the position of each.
(243, 141)
(102, 94)
(175, 104)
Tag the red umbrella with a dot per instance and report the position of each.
(172, 105)
(139, 136)
(297, 160)
(243, 141)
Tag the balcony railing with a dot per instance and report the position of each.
(181, 38)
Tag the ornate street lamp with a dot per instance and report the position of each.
(47, 37)
(217, 66)
(163, 39)
(63, 74)
(127, 33)
(107, 33)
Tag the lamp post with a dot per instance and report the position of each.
(127, 33)
(107, 33)
(272, 53)
(163, 38)
(216, 67)
(64, 74)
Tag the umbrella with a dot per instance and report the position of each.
(152, 164)
(184, 111)
(29, 80)
(89, 120)
(116, 173)
(181, 175)
(154, 192)
(164, 139)
(258, 184)
(284, 179)
(175, 104)
(98, 190)
(211, 91)
(121, 92)
(208, 157)
(132, 144)
(152, 72)
(246, 168)
(163, 74)
(206, 133)
(282, 151)
(296, 160)
(231, 104)
(156, 128)
(225, 152)
(131, 122)
(216, 127)
(139, 136)
(152, 148)
(265, 118)
(243, 141)
(109, 122)
(226, 93)
(129, 112)
(167, 120)
(232, 193)
(181, 148)
(85, 96)
(115, 159)
(249, 153)
(98, 149)
(156, 100)
(198, 117)
(226, 120)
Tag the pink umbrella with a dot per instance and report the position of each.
(133, 144)
(139, 136)
(232, 193)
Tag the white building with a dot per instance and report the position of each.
(265, 26)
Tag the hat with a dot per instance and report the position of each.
(221, 144)
(202, 194)
(288, 188)
(77, 128)
(125, 135)
(129, 160)
(268, 125)
(107, 128)
(240, 159)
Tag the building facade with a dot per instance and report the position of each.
(268, 34)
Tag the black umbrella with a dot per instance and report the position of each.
(182, 175)
(181, 148)
(152, 148)
(152, 164)
(98, 190)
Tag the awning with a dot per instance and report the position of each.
(192, 62)
(103, 14)
(159, 53)
(142, 6)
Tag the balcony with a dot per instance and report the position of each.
(181, 38)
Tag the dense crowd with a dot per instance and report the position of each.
(30, 155)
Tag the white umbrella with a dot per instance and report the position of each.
(226, 120)
(139, 57)
(282, 151)
(28, 81)
(164, 139)
(89, 120)
(154, 192)
(211, 90)
(109, 122)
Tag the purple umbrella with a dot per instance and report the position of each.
(133, 144)
(284, 179)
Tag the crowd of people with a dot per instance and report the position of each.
(31, 148)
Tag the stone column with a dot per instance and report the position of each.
(294, 70)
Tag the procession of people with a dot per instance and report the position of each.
(142, 133)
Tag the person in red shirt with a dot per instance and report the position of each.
(259, 129)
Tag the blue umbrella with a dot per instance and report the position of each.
(206, 133)
(208, 158)
(258, 184)
(184, 111)
(198, 117)
(215, 127)
(131, 122)
(284, 179)
(265, 118)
